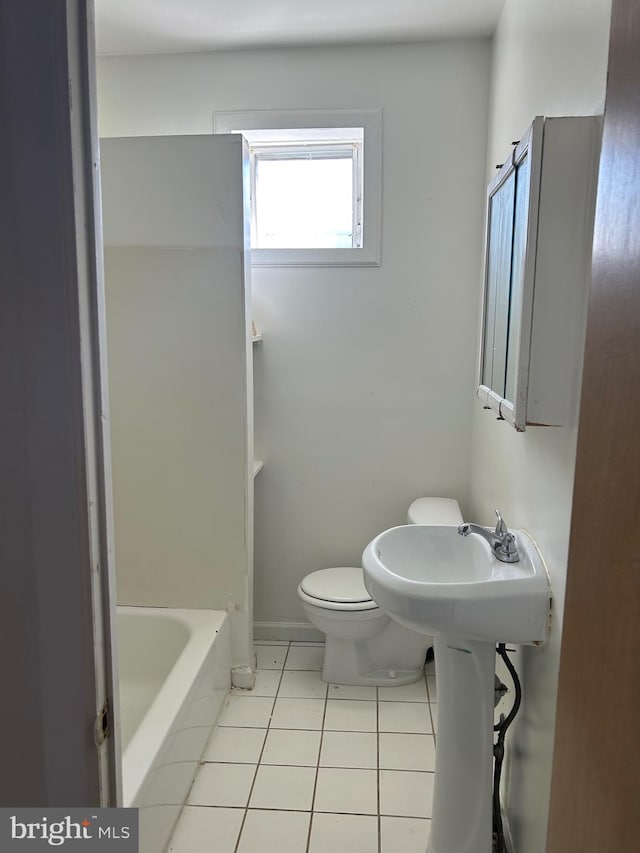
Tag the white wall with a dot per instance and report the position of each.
(549, 58)
(364, 379)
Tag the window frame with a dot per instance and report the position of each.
(263, 121)
(345, 148)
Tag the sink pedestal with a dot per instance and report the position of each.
(461, 820)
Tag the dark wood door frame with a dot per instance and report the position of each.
(595, 792)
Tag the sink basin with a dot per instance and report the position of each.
(435, 581)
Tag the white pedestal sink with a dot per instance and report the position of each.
(433, 580)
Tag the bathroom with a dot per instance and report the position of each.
(364, 380)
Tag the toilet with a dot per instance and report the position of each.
(363, 645)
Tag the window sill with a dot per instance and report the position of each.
(314, 258)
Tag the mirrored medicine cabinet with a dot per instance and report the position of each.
(539, 226)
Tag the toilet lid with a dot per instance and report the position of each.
(343, 584)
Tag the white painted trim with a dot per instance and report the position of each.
(314, 257)
(95, 397)
(301, 632)
(371, 120)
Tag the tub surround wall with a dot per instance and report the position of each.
(180, 377)
(549, 58)
(364, 377)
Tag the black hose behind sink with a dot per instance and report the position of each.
(499, 843)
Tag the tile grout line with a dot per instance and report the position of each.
(315, 781)
(264, 742)
(426, 679)
(322, 767)
(378, 767)
(306, 811)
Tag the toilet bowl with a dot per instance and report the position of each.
(363, 645)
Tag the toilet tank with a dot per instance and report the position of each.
(434, 511)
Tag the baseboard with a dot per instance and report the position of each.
(300, 632)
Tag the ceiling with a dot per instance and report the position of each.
(179, 26)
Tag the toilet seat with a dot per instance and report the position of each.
(339, 588)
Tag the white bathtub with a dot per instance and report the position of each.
(175, 673)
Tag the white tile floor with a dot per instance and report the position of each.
(298, 766)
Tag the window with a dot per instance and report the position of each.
(315, 186)
(306, 188)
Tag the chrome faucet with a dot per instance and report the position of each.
(503, 543)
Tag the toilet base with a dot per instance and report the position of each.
(350, 663)
(379, 678)
(367, 647)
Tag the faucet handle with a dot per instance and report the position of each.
(501, 527)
